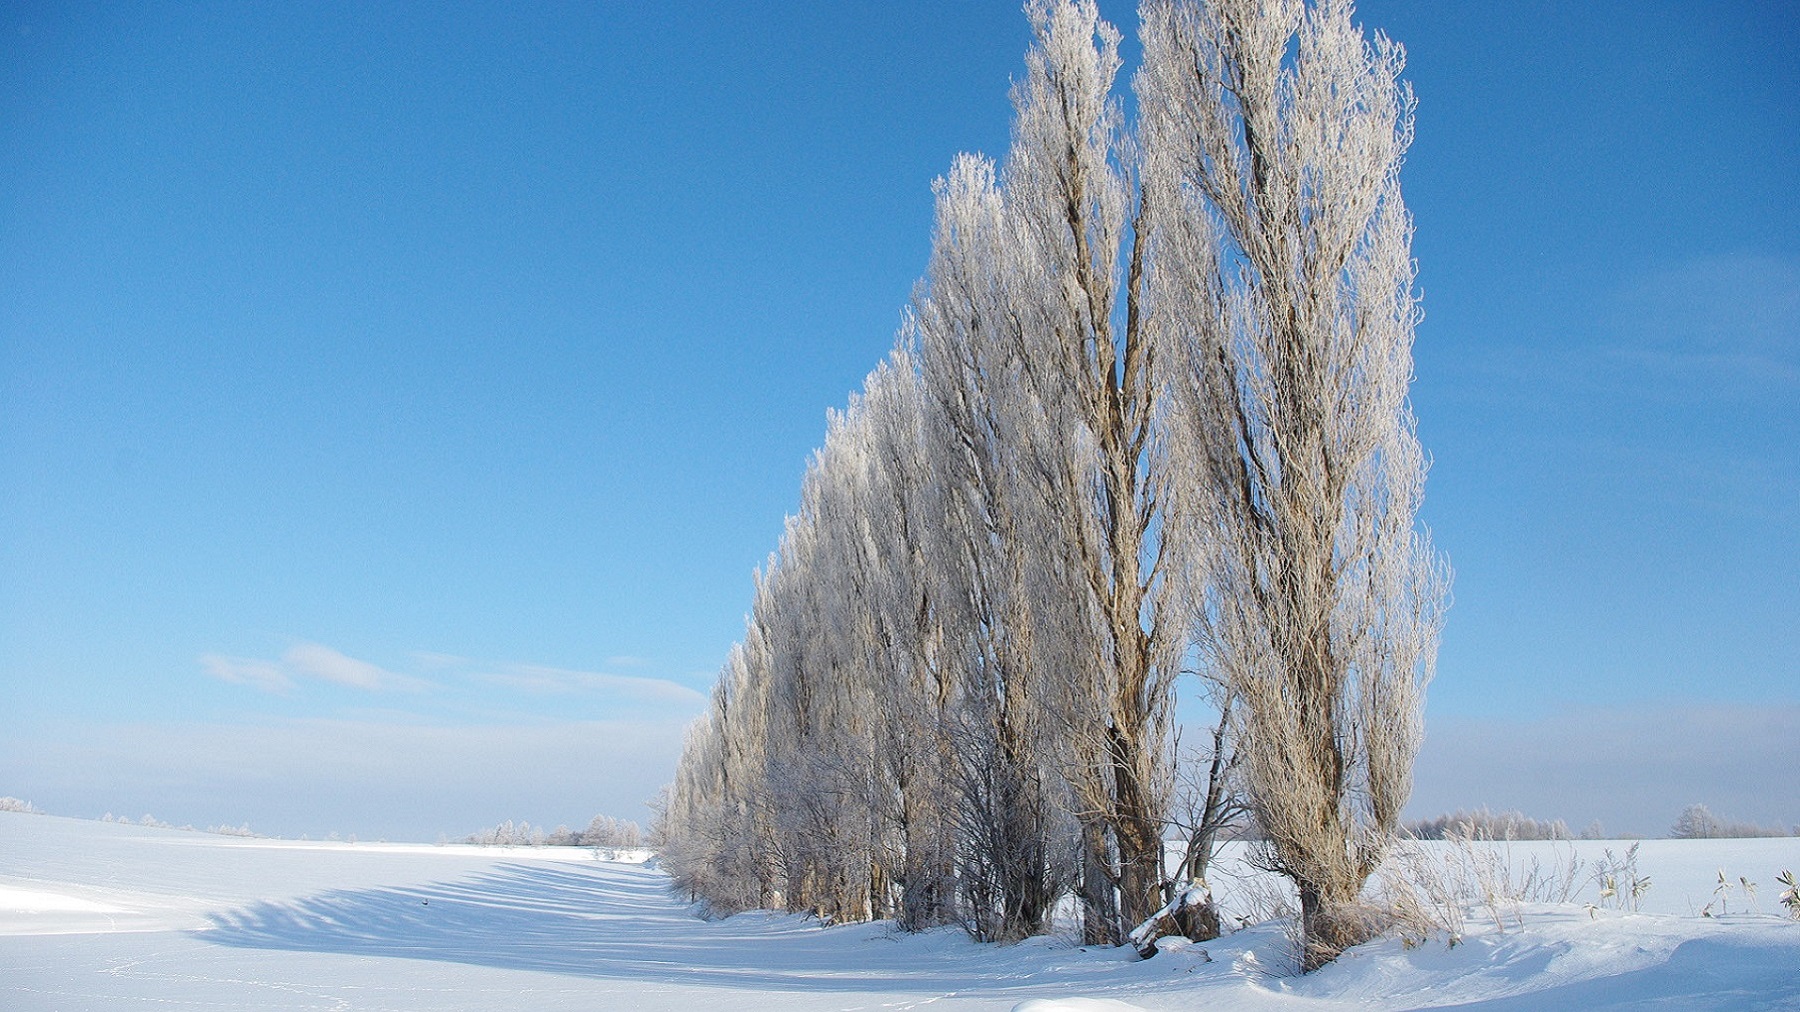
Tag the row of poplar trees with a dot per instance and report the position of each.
(1145, 430)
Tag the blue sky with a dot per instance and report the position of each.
(394, 402)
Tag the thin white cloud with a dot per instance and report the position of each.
(431, 660)
(265, 675)
(1727, 325)
(541, 680)
(325, 663)
(306, 661)
(460, 688)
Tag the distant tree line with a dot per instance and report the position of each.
(601, 831)
(1145, 430)
(1697, 822)
(1482, 824)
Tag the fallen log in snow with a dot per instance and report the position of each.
(1192, 914)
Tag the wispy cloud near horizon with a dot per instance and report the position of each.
(268, 676)
(397, 779)
(309, 661)
(541, 680)
(331, 666)
(458, 684)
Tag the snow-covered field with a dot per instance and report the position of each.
(104, 916)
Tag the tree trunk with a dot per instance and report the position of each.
(1099, 902)
(1328, 926)
(1137, 832)
(1198, 922)
(927, 880)
(1190, 913)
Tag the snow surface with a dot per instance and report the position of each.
(102, 916)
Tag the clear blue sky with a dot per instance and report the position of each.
(394, 402)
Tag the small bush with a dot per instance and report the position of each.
(1428, 889)
(1621, 887)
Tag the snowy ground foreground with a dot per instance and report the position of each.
(96, 915)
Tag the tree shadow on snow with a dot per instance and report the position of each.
(618, 921)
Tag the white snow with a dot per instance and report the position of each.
(14, 900)
(100, 916)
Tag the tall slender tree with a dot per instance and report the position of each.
(989, 551)
(1283, 129)
(1067, 302)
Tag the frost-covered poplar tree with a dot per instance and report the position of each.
(885, 517)
(819, 705)
(867, 505)
(1095, 374)
(989, 555)
(714, 829)
(1283, 129)
(1050, 277)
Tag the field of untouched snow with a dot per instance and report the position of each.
(104, 916)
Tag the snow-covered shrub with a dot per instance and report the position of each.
(10, 804)
(1424, 891)
(1722, 894)
(1621, 886)
(1426, 888)
(1721, 897)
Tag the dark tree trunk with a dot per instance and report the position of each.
(1099, 901)
(1328, 926)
